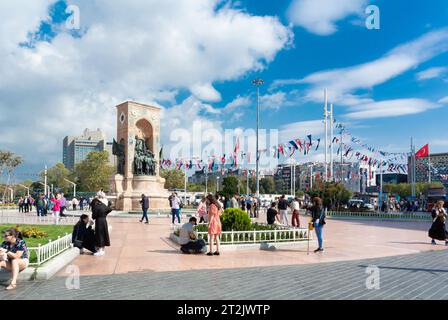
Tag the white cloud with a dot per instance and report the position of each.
(141, 51)
(390, 108)
(444, 100)
(344, 84)
(431, 73)
(301, 129)
(320, 16)
(205, 92)
(238, 103)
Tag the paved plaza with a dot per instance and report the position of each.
(143, 263)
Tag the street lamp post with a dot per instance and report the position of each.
(257, 82)
(12, 194)
(74, 187)
(27, 189)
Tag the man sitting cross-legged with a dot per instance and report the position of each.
(188, 241)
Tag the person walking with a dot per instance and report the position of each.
(175, 207)
(99, 215)
(202, 210)
(20, 204)
(74, 203)
(63, 205)
(234, 202)
(56, 207)
(145, 206)
(318, 220)
(283, 209)
(438, 228)
(40, 205)
(214, 225)
(295, 208)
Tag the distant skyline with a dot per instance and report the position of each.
(196, 59)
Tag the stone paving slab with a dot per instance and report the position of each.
(419, 276)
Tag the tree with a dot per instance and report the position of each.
(267, 185)
(8, 161)
(94, 172)
(174, 179)
(332, 194)
(56, 176)
(194, 187)
(230, 186)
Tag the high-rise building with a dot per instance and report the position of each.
(439, 169)
(76, 149)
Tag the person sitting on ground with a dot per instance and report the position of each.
(83, 236)
(272, 214)
(13, 255)
(187, 238)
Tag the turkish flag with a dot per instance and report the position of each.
(423, 152)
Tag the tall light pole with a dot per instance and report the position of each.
(331, 142)
(74, 187)
(27, 189)
(45, 181)
(12, 194)
(257, 82)
(326, 134)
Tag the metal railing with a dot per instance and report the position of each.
(48, 251)
(419, 216)
(260, 236)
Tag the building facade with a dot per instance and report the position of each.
(439, 169)
(76, 149)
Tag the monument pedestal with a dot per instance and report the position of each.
(129, 200)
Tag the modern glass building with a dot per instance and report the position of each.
(76, 149)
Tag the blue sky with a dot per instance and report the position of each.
(196, 59)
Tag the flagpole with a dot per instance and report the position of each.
(413, 167)
(429, 166)
(331, 142)
(326, 132)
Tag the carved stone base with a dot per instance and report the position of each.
(127, 193)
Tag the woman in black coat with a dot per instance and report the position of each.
(99, 214)
(438, 228)
(83, 235)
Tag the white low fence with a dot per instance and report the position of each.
(261, 236)
(411, 216)
(51, 249)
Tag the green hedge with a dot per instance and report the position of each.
(235, 219)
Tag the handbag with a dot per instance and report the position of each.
(311, 226)
(77, 243)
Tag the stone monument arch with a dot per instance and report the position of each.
(138, 133)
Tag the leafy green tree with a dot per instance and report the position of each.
(230, 186)
(267, 185)
(174, 179)
(94, 172)
(56, 176)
